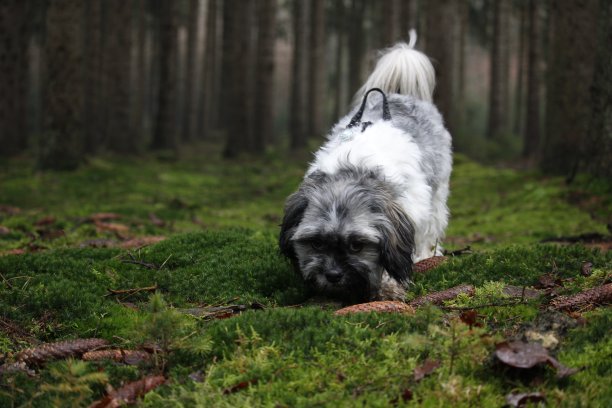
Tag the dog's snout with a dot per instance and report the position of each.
(333, 275)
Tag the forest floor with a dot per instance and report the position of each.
(180, 259)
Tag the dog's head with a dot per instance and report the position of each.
(342, 231)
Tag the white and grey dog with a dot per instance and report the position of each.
(373, 202)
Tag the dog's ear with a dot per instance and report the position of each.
(294, 212)
(397, 246)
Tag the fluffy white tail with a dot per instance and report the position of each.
(404, 70)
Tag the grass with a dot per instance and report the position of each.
(221, 223)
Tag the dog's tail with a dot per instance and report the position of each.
(402, 69)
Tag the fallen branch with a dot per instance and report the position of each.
(131, 357)
(597, 296)
(141, 263)
(62, 349)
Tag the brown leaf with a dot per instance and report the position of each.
(240, 386)
(437, 298)
(155, 220)
(524, 355)
(428, 264)
(120, 230)
(428, 367)
(546, 281)
(49, 234)
(586, 269)
(103, 216)
(62, 349)
(130, 357)
(141, 242)
(522, 399)
(130, 392)
(470, 317)
(387, 306)
(45, 221)
(600, 295)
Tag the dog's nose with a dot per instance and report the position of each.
(333, 275)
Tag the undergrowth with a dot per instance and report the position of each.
(221, 221)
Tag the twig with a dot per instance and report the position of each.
(141, 263)
(131, 291)
(457, 252)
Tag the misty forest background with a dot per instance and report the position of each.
(523, 79)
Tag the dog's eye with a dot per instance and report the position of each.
(317, 244)
(355, 246)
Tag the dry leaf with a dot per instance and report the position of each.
(240, 386)
(112, 227)
(524, 355)
(45, 221)
(155, 220)
(387, 306)
(470, 317)
(103, 216)
(586, 268)
(522, 399)
(130, 392)
(428, 367)
(141, 242)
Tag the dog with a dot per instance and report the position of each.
(373, 201)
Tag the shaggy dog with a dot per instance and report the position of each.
(373, 201)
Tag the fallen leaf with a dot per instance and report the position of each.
(428, 367)
(524, 355)
(141, 242)
(112, 227)
(387, 306)
(240, 386)
(45, 221)
(470, 317)
(49, 234)
(155, 220)
(130, 392)
(4, 230)
(547, 281)
(9, 210)
(522, 399)
(586, 268)
(16, 251)
(103, 216)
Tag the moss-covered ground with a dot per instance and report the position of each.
(221, 221)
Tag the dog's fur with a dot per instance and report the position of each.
(374, 201)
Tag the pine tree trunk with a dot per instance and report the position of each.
(121, 137)
(440, 48)
(211, 57)
(572, 52)
(94, 58)
(60, 146)
(356, 42)
(598, 157)
(498, 90)
(166, 128)
(340, 80)
(234, 79)
(463, 22)
(531, 135)
(317, 84)
(298, 121)
(391, 15)
(191, 74)
(13, 76)
(264, 108)
(520, 80)
(141, 70)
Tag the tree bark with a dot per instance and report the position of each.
(165, 135)
(60, 146)
(264, 107)
(531, 135)
(94, 58)
(440, 48)
(572, 52)
(356, 43)
(598, 157)
(121, 137)
(391, 14)
(499, 88)
(208, 118)
(340, 80)
(13, 76)
(234, 79)
(317, 85)
(520, 80)
(298, 121)
(463, 22)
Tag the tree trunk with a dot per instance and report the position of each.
(141, 72)
(440, 48)
(598, 158)
(356, 43)
(264, 107)
(13, 76)
(520, 80)
(340, 80)
(572, 52)
(531, 135)
(298, 120)
(463, 22)
(391, 14)
(234, 78)
(192, 74)
(498, 90)
(94, 59)
(60, 146)
(210, 95)
(121, 137)
(165, 135)
(317, 84)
